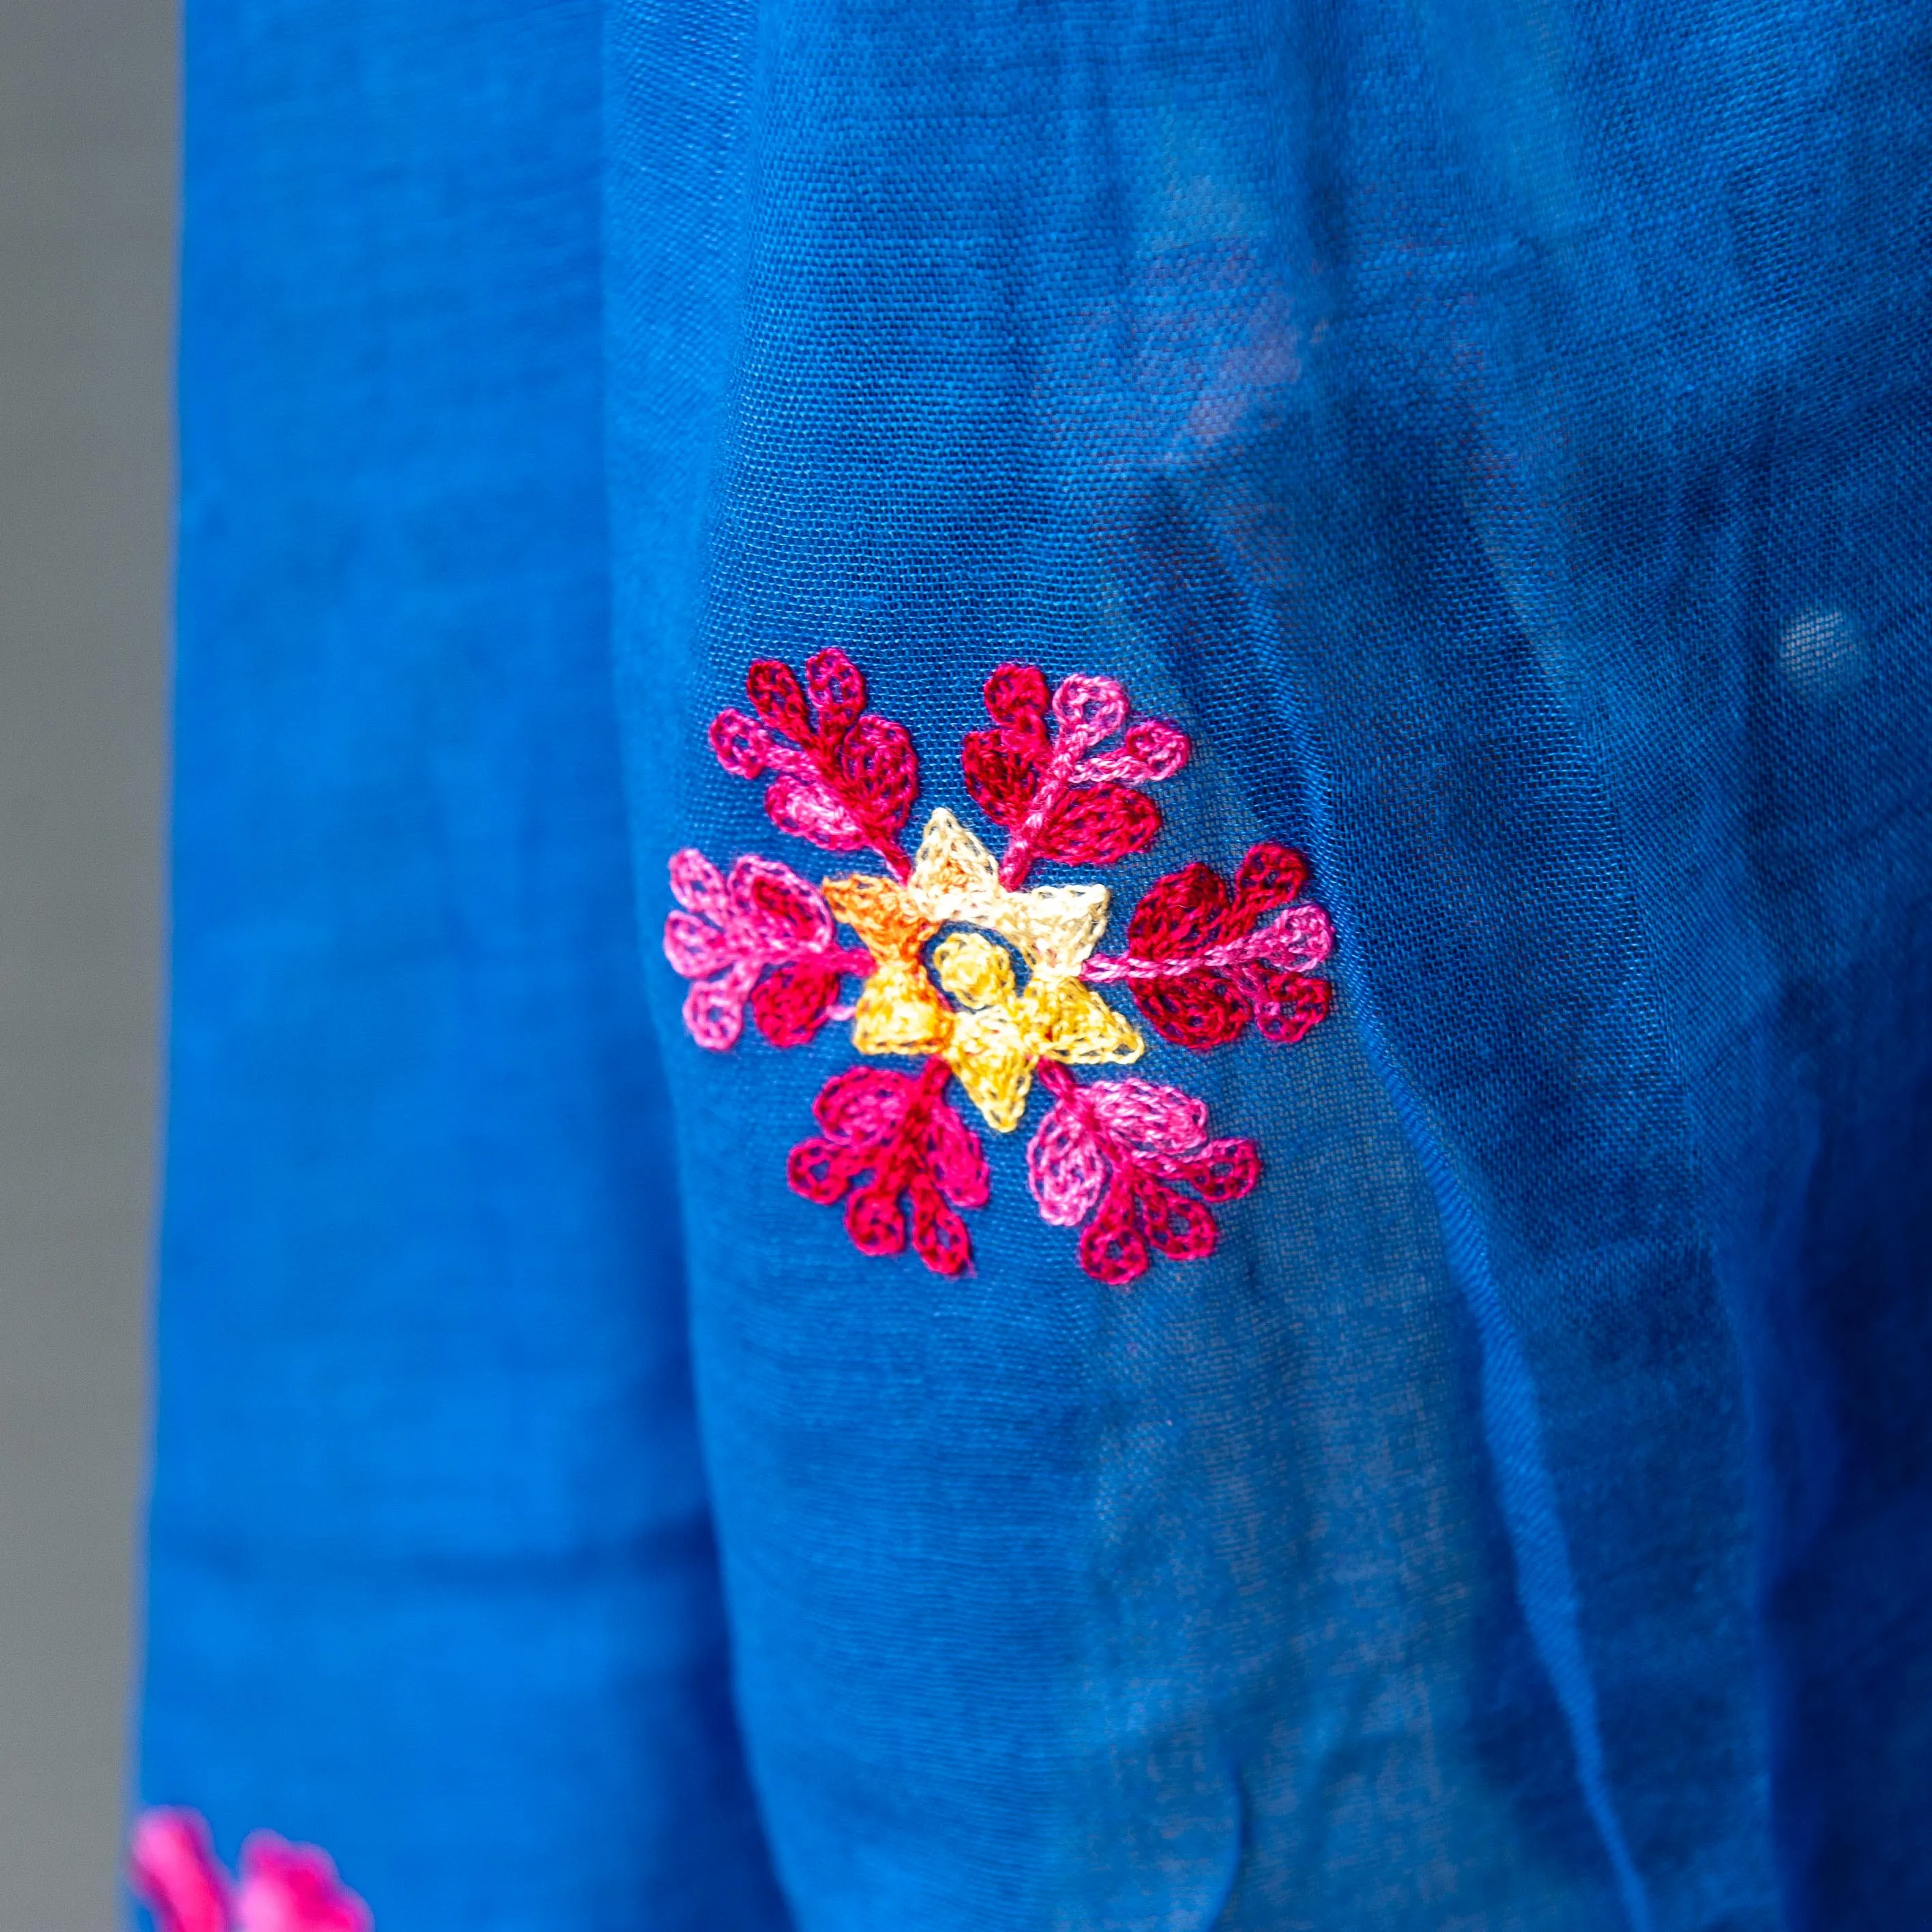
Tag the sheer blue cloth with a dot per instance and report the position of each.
(1497, 432)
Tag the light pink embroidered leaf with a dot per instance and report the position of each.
(1089, 711)
(1148, 1118)
(698, 886)
(807, 809)
(1122, 1150)
(695, 947)
(288, 1888)
(1067, 1168)
(763, 937)
(1151, 750)
(173, 1870)
(714, 1010)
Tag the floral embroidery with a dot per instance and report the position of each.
(1200, 967)
(763, 936)
(898, 1128)
(845, 779)
(984, 979)
(283, 1888)
(1058, 802)
(1121, 1145)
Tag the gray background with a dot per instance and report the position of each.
(87, 179)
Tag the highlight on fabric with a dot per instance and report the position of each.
(983, 980)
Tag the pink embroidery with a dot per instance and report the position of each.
(845, 778)
(284, 1887)
(1130, 1159)
(1058, 802)
(172, 1867)
(898, 1128)
(764, 936)
(1121, 1145)
(1200, 966)
(293, 1889)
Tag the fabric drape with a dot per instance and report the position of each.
(1496, 433)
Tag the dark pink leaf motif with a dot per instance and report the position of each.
(1059, 795)
(891, 1138)
(1201, 963)
(284, 1887)
(1120, 1150)
(764, 938)
(841, 777)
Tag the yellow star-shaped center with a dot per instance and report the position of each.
(899, 1009)
(957, 882)
(997, 1035)
(1001, 1034)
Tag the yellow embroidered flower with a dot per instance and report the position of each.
(956, 881)
(899, 1009)
(996, 1035)
(999, 1035)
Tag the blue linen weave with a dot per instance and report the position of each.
(1498, 431)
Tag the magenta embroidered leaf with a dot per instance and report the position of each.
(764, 938)
(1201, 964)
(1121, 1150)
(172, 1867)
(284, 1887)
(288, 1888)
(1059, 796)
(889, 1138)
(841, 777)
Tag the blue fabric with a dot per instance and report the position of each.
(1498, 432)
(433, 1582)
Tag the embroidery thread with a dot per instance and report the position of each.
(1064, 774)
(283, 1888)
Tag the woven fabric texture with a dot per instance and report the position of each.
(1497, 434)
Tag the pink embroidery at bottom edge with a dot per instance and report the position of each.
(283, 1888)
